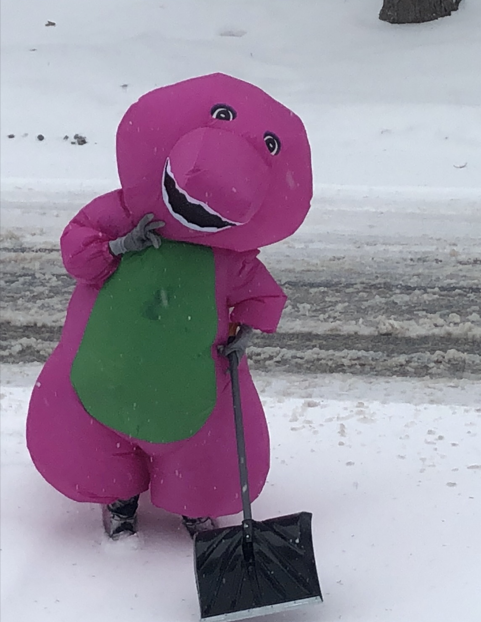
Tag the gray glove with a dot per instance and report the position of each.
(239, 343)
(141, 236)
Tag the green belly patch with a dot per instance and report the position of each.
(144, 366)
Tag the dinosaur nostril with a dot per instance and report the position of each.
(193, 171)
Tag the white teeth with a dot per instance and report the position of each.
(201, 204)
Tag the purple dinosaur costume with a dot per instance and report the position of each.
(227, 168)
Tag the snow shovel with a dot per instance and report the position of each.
(258, 567)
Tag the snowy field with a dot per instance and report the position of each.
(389, 467)
(393, 115)
(392, 112)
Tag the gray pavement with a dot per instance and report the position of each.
(417, 313)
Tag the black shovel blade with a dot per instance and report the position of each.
(236, 581)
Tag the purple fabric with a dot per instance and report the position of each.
(175, 122)
(79, 456)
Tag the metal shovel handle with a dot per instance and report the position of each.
(241, 447)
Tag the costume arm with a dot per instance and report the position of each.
(256, 298)
(85, 241)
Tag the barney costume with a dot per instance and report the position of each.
(136, 395)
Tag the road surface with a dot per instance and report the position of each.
(415, 313)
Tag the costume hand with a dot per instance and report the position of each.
(142, 236)
(238, 343)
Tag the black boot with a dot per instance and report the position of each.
(197, 525)
(120, 517)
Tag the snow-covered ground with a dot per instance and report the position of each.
(389, 110)
(393, 115)
(389, 468)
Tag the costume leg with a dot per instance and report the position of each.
(200, 476)
(76, 454)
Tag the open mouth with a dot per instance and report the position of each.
(189, 211)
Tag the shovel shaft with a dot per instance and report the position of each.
(241, 446)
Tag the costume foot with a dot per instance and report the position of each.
(120, 518)
(197, 525)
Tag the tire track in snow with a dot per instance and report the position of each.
(419, 316)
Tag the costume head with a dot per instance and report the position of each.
(219, 160)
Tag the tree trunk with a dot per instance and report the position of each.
(416, 11)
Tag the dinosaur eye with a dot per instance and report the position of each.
(223, 112)
(272, 143)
